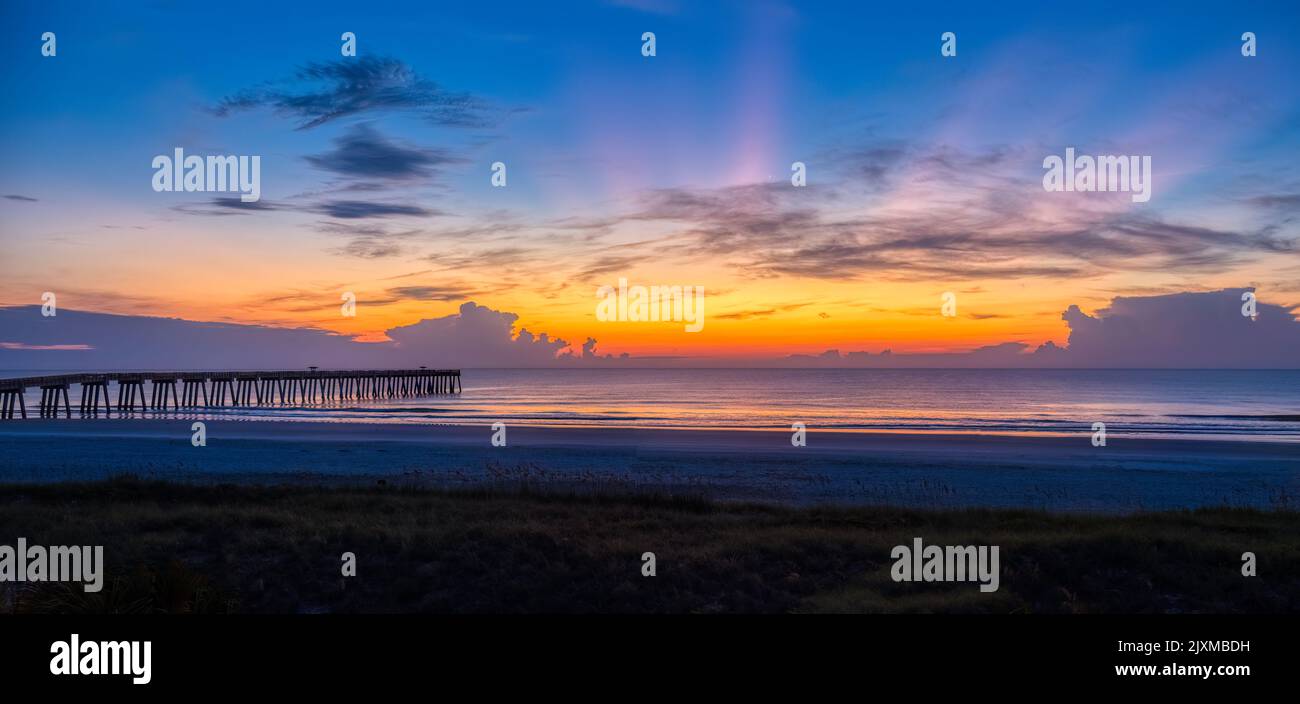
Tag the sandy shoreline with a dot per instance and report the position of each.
(930, 470)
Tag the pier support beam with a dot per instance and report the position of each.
(11, 397)
(51, 394)
(91, 393)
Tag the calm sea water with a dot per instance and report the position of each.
(1242, 404)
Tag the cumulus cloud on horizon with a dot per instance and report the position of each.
(474, 336)
(1180, 330)
(1184, 330)
(1187, 330)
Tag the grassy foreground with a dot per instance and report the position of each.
(203, 548)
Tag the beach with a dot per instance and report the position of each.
(923, 470)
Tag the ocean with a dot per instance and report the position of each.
(1215, 404)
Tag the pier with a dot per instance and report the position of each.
(179, 391)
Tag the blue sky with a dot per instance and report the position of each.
(923, 171)
(131, 75)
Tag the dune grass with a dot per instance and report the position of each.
(172, 547)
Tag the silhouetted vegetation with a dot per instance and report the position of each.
(173, 547)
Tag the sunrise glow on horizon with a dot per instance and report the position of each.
(924, 172)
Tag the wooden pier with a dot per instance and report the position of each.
(179, 391)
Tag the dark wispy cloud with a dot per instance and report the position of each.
(23, 199)
(431, 293)
(1277, 200)
(764, 312)
(357, 209)
(608, 265)
(363, 153)
(221, 206)
(323, 92)
(495, 257)
(363, 248)
(745, 314)
(340, 209)
(872, 163)
(369, 240)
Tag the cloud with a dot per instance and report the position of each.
(82, 340)
(23, 199)
(497, 257)
(341, 209)
(323, 92)
(362, 152)
(356, 209)
(892, 210)
(363, 248)
(475, 336)
(431, 293)
(1187, 330)
(1182, 330)
(221, 206)
(1277, 200)
(368, 240)
(764, 312)
(608, 265)
(1002, 355)
(874, 163)
(745, 314)
(25, 346)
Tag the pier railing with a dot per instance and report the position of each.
(219, 389)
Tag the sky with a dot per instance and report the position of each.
(924, 172)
